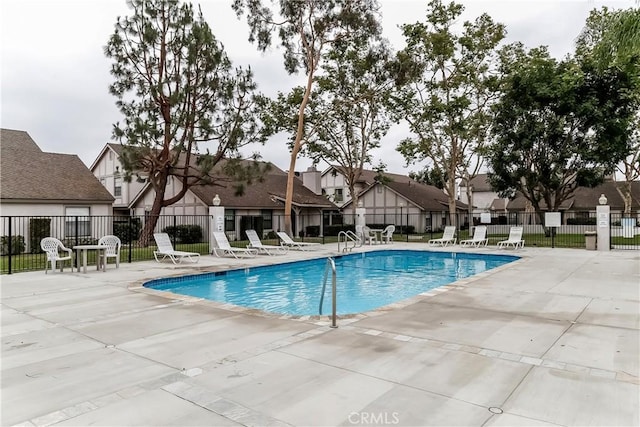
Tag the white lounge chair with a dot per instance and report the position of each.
(448, 237)
(256, 243)
(387, 233)
(479, 237)
(223, 247)
(285, 240)
(113, 248)
(515, 239)
(165, 249)
(54, 249)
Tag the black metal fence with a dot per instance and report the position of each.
(20, 235)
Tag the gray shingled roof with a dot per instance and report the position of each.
(28, 173)
(267, 193)
(427, 197)
(586, 199)
(479, 182)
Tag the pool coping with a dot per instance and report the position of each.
(319, 320)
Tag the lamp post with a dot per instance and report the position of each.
(216, 200)
(603, 199)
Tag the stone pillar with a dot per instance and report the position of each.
(604, 228)
(216, 217)
(360, 216)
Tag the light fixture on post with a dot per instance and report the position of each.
(216, 200)
(603, 199)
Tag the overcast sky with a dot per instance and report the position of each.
(55, 76)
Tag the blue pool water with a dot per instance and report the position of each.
(365, 281)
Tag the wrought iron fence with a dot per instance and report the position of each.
(20, 235)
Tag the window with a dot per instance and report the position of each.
(117, 186)
(267, 219)
(229, 220)
(338, 196)
(77, 222)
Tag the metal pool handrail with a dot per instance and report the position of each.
(349, 236)
(330, 264)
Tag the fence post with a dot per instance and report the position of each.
(129, 238)
(10, 248)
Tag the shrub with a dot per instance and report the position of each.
(184, 233)
(312, 231)
(39, 228)
(17, 245)
(128, 230)
(333, 230)
(581, 221)
(70, 242)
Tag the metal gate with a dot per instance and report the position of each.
(625, 231)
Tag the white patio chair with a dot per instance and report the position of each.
(479, 237)
(369, 236)
(223, 247)
(113, 245)
(448, 237)
(256, 243)
(387, 233)
(514, 239)
(285, 240)
(165, 248)
(54, 249)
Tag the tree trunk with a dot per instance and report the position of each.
(146, 235)
(297, 145)
(624, 189)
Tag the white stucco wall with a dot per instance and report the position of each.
(105, 169)
(20, 213)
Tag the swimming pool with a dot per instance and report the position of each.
(365, 281)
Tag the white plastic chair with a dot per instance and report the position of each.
(448, 237)
(285, 240)
(223, 247)
(479, 237)
(165, 248)
(387, 233)
(369, 236)
(514, 239)
(53, 248)
(113, 248)
(256, 243)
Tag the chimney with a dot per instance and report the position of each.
(311, 180)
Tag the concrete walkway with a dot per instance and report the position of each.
(552, 339)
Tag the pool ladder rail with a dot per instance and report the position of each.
(347, 237)
(331, 265)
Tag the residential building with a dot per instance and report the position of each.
(260, 205)
(38, 184)
(484, 198)
(396, 199)
(582, 204)
(107, 167)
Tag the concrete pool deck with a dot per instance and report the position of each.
(552, 339)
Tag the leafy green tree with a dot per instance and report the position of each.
(307, 29)
(449, 84)
(611, 36)
(557, 126)
(611, 40)
(430, 176)
(179, 96)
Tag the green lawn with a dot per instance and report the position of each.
(34, 262)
